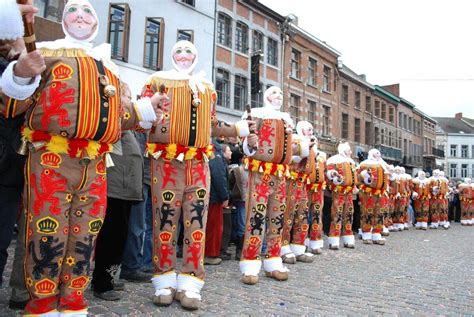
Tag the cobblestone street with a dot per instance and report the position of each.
(416, 272)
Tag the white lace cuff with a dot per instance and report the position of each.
(17, 90)
(144, 110)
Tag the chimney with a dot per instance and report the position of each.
(394, 89)
(458, 116)
(363, 76)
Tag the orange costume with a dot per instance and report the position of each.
(421, 196)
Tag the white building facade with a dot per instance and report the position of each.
(143, 32)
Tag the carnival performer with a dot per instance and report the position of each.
(466, 197)
(436, 200)
(399, 201)
(315, 187)
(391, 193)
(341, 173)
(373, 177)
(421, 196)
(71, 122)
(295, 221)
(180, 146)
(266, 195)
(444, 193)
(407, 185)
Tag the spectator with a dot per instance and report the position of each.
(218, 200)
(227, 212)
(133, 261)
(124, 186)
(238, 177)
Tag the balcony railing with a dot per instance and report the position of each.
(438, 153)
(390, 152)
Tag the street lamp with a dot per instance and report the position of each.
(284, 31)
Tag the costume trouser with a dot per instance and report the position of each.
(265, 205)
(443, 216)
(342, 211)
(295, 220)
(316, 201)
(372, 209)
(132, 259)
(436, 204)
(466, 208)
(66, 204)
(388, 214)
(110, 244)
(214, 229)
(400, 212)
(179, 187)
(422, 209)
(17, 278)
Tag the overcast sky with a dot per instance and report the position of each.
(425, 45)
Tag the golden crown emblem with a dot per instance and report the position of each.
(197, 236)
(254, 240)
(79, 282)
(201, 193)
(94, 226)
(100, 168)
(51, 159)
(62, 72)
(45, 287)
(165, 236)
(283, 208)
(47, 225)
(261, 208)
(168, 196)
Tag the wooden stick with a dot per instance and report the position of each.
(29, 38)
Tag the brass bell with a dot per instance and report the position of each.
(85, 159)
(23, 149)
(196, 102)
(206, 159)
(180, 157)
(110, 91)
(108, 160)
(35, 146)
(146, 154)
(157, 154)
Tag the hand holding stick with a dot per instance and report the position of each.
(29, 37)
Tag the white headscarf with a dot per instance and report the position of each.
(87, 41)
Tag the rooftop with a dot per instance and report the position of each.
(454, 125)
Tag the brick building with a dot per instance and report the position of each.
(244, 28)
(310, 83)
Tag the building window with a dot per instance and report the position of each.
(241, 37)
(327, 78)
(152, 57)
(382, 136)
(453, 150)
(345, 94)
(257, 43)
(224, 30)
(272, 52)
(453, 170)
(391, 114)
(295, 63)
(294, 107)
(472, 171)
(312, 71)
(185, 35)
(384, 111)
(472, 152)
(188, 2)
(357, 99)
(464, 150)
(368, 103)
(400, 119)
(377, 108)
(463, 170)
(326, 120)
(223, 88)
(312, 111)
(118, 30)
(257, 99)
(240, 92)
(410, 124)
(357, 130)
(50, 9)
(368, 133)
(345, 126)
